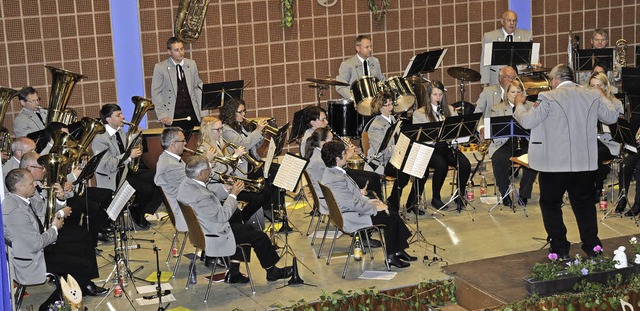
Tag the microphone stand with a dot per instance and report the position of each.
(159, 291)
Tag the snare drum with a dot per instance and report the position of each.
(363, 91)
(534, 84)
(355, 163)
(406, 97)
(343, 118)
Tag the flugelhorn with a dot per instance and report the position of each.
(255, 164)
(6, 95)
(142, 105)
(250, 185)
(62, 84)
(267, 128)
(231, 163)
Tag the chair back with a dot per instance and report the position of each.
(312, 189)
(334, 211)
(196, 235)
(174, 212)
(365, 143)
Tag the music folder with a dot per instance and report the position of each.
(214, 94)
(415, 161)
(121, 198)
(290, 171)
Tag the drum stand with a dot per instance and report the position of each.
(319, 88)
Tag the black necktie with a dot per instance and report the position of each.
(40, 117)
(509, 38)
(513, 109)
(366, 67)
(120, 144)
(180, 72)
(40, 226)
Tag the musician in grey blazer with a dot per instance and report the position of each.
(507, 32)
(358, 211)
(19, 147)
(220, 233)
(31, 117)
(353, 68)
(494, 94)
(314, 117)
(176, 88)
(563, 149)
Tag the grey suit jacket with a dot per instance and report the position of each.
(316, 169)
(563, 125)
(606, 138)
(164, 87)
(490, 95)
(9, 165)
(490, 73)
(355, 208)
(212, 215)
(252, 141)
(21, 228)
(107, 169)
(377, 129)
(169, 175)
(303, 142)
(501, 109)
(27, 122)
(351, 70)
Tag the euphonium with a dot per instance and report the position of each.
(90, 128)
(55, 165)
(142, 105)
(62, 85)
(6, 94)
(190, 18)
(250, 185)
(621, 52)
(255, 164)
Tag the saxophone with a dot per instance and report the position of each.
(142, 105)
(190, 18)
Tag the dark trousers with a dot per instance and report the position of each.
(603, 170)
(361, 178)
(260, 243)
(630, 169)
(148, 195)
(91, 209)
(396, 232)
(580, 187)
(502, 170)
(73, 253)
(254, 202)
(401, 181)
(442, 158)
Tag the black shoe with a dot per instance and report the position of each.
(210, 261)
(91, 289)
(372, 242)
(635, 209)
(622, 205)
(437, 203)
(405, 256)
(276, 273)
(395, 261)
(506, 201)
(236, 278)
(104, 237)
(522, 201)
(415, 210)
(141, 224)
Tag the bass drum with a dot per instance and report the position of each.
(343, 118)
(406, 97)
(363, 91)
(534, 84)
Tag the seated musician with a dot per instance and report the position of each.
(502, 149)
(435, 108)
(358, 211)
(38, 250)
(314, 117)
(19, 147)
(31, 117)
(220, 229)
(361, 64)
(108, 174)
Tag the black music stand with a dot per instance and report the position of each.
(508, 127)
(281, 138)
(587, 59)
(214, 94)
(299, 126)
(511, 53)
(86, 174)
(425, 62)
(621, 133)
(39, 138)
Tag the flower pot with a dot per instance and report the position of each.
(564, 284)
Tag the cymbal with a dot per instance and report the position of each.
(327, 81)
(466, 74)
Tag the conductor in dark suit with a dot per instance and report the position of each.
(563, 149)
(358, 211)
(220, 233)
(360, 65)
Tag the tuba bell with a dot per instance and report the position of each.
(62, 85)
(6, 95)
(55, 165)
(142, 105)
(190, 18)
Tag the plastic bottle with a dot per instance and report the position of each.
(357, 250)
(483, 187)
(603, 201)
(470, 193)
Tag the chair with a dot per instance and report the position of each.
(180, 227)
(336, 217)
(364, 141)
(316, 211)
(196, 236)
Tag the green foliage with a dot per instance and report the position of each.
(379, 12)
(556, 269)
(288, 13)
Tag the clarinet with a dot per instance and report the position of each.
(346, 143)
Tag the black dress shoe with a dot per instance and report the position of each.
(415, 210)
(522, 201)
(210, 261)
(104, 237)
(236, 278)
(372, 242)
(622, 204)
(395, 261)
(91, 289)
(142, 224)
(437, 203)
(276, 273)
(635, 210)
(506, 201)
(405, 256)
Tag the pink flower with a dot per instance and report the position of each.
(553, 256)
(597, 249)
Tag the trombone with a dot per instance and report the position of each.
(251, 185)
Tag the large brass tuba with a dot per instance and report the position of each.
(142, 105)
(62, 85)
(190, 18)
(6, 94)
(55, 165)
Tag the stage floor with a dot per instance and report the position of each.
(472, 235)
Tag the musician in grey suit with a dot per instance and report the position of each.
(31, 117)
(19, 147)
(314, 117)
(563, 149)
(358, 211)
(361, 64)
(508, 32)
(494, 94)
(176, 88)
(220, 233)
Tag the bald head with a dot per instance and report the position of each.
(506, 75)
(22, 145)
(509, 21)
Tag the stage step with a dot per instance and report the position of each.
(471, 298)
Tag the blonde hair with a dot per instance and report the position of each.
(206, 129)
(605, 83)
(514, 83)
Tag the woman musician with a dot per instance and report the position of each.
(434, 108)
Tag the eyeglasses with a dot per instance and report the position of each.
(217, 129)
(180, 141)
(38, 167)
(37, 100)
(242, 111)
(508, 77)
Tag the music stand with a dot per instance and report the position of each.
(86, 173)
(587, 59)
(39, 138)
(508, 127)
(511, 53)
(281, 138)
(214, 94)
(621, 133)
(299, 126)
(424, 62)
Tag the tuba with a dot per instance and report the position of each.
(142, 105)
(190, 18)
(6, 95)
(55, 165)
(62, 85)
(621, 52)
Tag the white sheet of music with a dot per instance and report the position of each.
(289, 172)
(120, 200)
(487, 128)
(418, 159)
(400, 149)
(267, 162)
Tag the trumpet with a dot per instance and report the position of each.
(250, 185)
(268, 128)
(358, 152)
(231, 163)
(255, 164)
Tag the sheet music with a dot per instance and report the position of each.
(488, 48)
(418, 159)
(289, 172)
(120, 200)
(406, 70)
(631, 148)
(535, 53)
(487, 128)
(444, 52)
(461, 140)
(400, 149)
(267, 162)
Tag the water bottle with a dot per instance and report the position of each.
(357, 250)
(483, 187)
(470, 194)
(603, 201)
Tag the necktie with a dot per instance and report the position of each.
(40, 226)
(40, 117)
(180, 72)
(120, 144)
(365, 64)
(509, 38)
